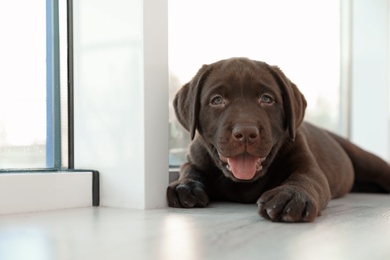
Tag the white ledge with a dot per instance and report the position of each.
(32, 192)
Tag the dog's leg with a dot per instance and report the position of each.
(190, 190)
(299, 199)
(303, 194)
(372, 174)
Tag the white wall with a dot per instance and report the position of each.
(370, 122)
(121, 88)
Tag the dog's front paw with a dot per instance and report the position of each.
(287, 204)
(187, 194)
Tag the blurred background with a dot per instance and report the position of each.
(301, 37)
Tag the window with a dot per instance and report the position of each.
(23, 88)
(302, 37)
(36, 108)
(33, 100)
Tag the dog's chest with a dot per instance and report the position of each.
(239, 192)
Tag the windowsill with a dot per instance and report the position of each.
(32, 191)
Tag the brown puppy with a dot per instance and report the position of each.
(250, 144)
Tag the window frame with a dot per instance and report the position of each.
(59, 185)
(59, 88)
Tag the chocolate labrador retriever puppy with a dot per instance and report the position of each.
(250, 144)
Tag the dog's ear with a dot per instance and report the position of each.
(294, 102)
(187, 101)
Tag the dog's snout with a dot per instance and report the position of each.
(245, 133)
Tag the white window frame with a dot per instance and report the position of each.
(141, 177)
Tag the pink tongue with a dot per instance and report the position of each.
(243, 166)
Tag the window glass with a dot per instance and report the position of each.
(300, 36)
(23, 84)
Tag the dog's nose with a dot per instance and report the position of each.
(245, 133)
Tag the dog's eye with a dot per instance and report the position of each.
(266, 99)
(217, 100)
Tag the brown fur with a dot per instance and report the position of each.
(240, 106)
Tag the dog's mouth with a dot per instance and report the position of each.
(243, 166)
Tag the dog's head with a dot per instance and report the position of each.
(243, 110)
